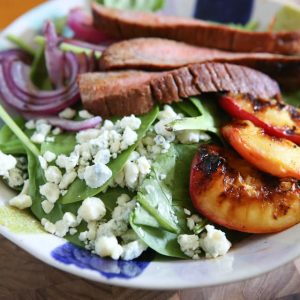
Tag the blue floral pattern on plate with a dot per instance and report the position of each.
(70, 254)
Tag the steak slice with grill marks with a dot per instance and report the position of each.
(135, 92)
(155, 54)
(131, 24)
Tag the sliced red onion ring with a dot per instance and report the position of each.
(82, 25)
(68, 125)
(13, 53)
(22, 81)
(54, 56)
(17, 91)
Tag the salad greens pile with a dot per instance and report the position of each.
(159, 217)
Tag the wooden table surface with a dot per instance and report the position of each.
(22, 277)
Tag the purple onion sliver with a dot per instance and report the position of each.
(16, 74)
(50, 102)
(34, 97)
(17, 90)
(12, 53)
(50, 108)
(54, 56)
(75, 125)
(81, 23)
(67, 125)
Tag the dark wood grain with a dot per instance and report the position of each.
(22, 277)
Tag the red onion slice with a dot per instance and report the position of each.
(13, 53)
(82, 25)
(54, 56)
(17, 91)
(68, 125)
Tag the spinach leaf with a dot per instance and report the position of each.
(180, 189)
(74, 239)
(110, 196)
(14, 147)
(155, 194)
(6, 134)
(161, 241)
(188, 108)
(209, 121)
(9, 143)
(21, 44)
(39, 73)
(208, 106)
(23, 138)
(142, 217)
(146, 223)
(64, 144)
(146, 5)
(79, 191)
(36, 179)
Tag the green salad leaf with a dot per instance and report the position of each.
(36, 179)
(180, 189)
(110, 196)
(205, 122)
(64, 144)
(155, 194)
(23, 138)
(187, 108)
(9, 143)
(147, 223)
(39, 73)
(14, 147)
(161, 241)
(79, 191)
(146, 5)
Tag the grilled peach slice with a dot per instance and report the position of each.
(276, 156)
(232, 193)
(275, 118)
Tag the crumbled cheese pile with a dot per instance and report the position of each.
(159, 138)
(134, 172)
(88, 161)
(107, 238)
(212, 242)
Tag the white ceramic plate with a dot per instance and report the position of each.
(249, 258)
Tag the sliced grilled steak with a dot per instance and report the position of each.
(116, 93)
(132, 24)
(134, 92)
(162, 54)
